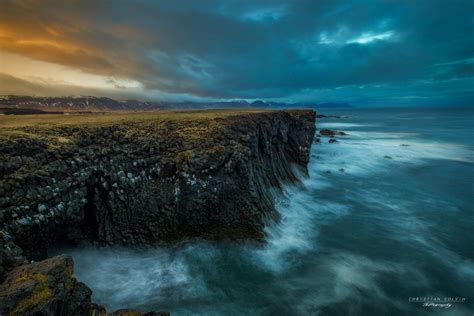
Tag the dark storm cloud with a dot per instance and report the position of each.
(254, 49)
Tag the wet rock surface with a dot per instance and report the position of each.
(143, 183)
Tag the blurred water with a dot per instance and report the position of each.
(357, 241)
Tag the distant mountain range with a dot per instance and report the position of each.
(102, 104)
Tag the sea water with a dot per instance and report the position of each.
(384, 221)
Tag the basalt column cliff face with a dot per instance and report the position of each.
(146, 181)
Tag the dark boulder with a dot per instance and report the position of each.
(329, 132)
(327, 116)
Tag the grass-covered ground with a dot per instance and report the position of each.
(50, 126)
(51, 120)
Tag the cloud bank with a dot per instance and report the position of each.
(363, 52)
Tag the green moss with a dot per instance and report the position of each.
(184, 157)
(218, 150)
(41, 293)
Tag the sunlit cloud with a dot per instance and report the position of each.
(44, 72)
(370, 37)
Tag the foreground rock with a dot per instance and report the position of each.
(44, 288)
(142, 180)
(49, 288)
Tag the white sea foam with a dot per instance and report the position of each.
(122, 278)
(353, 279)
(360, 154)
(295, 234)
(370, 152)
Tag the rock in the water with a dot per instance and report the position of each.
(332, 140)
(327, 116)
(387, 157)
(329, 132)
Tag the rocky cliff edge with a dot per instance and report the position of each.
(137, 179)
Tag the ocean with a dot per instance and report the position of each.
(383, 225)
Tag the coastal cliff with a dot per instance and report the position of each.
(143, 180)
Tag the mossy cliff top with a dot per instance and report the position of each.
(174, 135)
(11, 123)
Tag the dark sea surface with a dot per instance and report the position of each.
(357, 241)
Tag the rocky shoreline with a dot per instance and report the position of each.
(135, 182)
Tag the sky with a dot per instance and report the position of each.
(365, 53)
